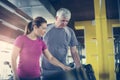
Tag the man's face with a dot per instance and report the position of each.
(61, 21)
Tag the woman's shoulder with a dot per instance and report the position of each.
(42, 41)
(21, 37)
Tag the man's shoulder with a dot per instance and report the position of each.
(70, 29)
(49, 27)
(50, 24)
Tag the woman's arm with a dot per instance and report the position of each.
(14, 56)
(54, 61)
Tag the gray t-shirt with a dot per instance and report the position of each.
(57, 43)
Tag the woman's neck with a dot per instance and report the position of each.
(32, 36)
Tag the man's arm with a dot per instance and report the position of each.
(75, 56)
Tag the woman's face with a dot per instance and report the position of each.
(41, 30)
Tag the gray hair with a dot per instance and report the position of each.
(63, 12)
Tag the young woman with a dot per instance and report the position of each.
(29, 48)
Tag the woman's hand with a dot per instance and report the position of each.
(66, 68)
(54, 61)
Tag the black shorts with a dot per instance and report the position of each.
(57, 76)
(38, 78)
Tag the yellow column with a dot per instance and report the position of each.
(105, 58)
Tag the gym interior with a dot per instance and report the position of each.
(96, 24)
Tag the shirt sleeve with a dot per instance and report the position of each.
(73, 41)
(19, 41)
(44, 46)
